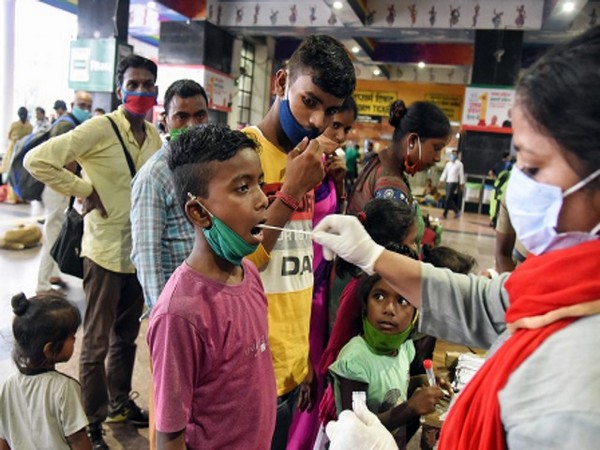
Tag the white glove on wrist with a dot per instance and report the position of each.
(359, 430)
(346, 237)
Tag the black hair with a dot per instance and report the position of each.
(138, 62)
(183, 89)
(388, 222)
(40, 110)
(22, 112)
(100, 110)
(366, 282)
(449, 258)
(47, 318)
(560, 92)
(349, 105)
(60, 104)
(327, 61)
(190, 156)
(422, 118)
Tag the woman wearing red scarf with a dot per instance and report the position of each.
(540, 386)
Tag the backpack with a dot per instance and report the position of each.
(23, 183)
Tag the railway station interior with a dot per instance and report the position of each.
(464, 56)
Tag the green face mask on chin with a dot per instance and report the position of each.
(225, 242)
(383, 343)
(177, 132)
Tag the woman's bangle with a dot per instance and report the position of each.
(288, 200)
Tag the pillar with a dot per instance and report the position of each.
(99, 19)
(199, 43)
(497, 57)
(8, 113)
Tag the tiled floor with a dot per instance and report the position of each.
(469, 234)
(19, 273)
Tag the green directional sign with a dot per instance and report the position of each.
(92, 63)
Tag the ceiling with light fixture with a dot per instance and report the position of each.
(409, 40)
(406, 40)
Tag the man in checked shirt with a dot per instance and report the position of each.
(162, 236)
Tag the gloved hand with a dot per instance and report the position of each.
(360, 430)
(346, 237)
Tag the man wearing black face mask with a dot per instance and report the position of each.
(113, 294)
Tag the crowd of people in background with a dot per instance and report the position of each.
(281, 275)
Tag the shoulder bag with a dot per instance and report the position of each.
(66, 251)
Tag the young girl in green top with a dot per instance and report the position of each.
(378, 360)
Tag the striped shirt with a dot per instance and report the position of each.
(162, 236)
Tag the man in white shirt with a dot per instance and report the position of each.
(41, 121)
(454, 176)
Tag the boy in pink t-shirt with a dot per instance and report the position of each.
(214, 385)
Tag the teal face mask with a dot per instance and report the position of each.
(174, 134)
(382, 343)
(225, 242)
(81, 114)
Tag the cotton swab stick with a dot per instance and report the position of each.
(271, 227)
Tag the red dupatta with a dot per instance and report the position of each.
(547, 293)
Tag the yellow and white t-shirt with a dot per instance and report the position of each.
(288, 277)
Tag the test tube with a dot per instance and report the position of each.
(358, 397)
(428, 365)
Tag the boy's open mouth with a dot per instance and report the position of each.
(257, 231)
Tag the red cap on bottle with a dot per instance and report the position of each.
(428, 364)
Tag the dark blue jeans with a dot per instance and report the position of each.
(286, 405)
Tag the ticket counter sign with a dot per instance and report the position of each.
(450, 104)
(374, 103)
(92, 64)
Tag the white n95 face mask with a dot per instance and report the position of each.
(534, 208)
